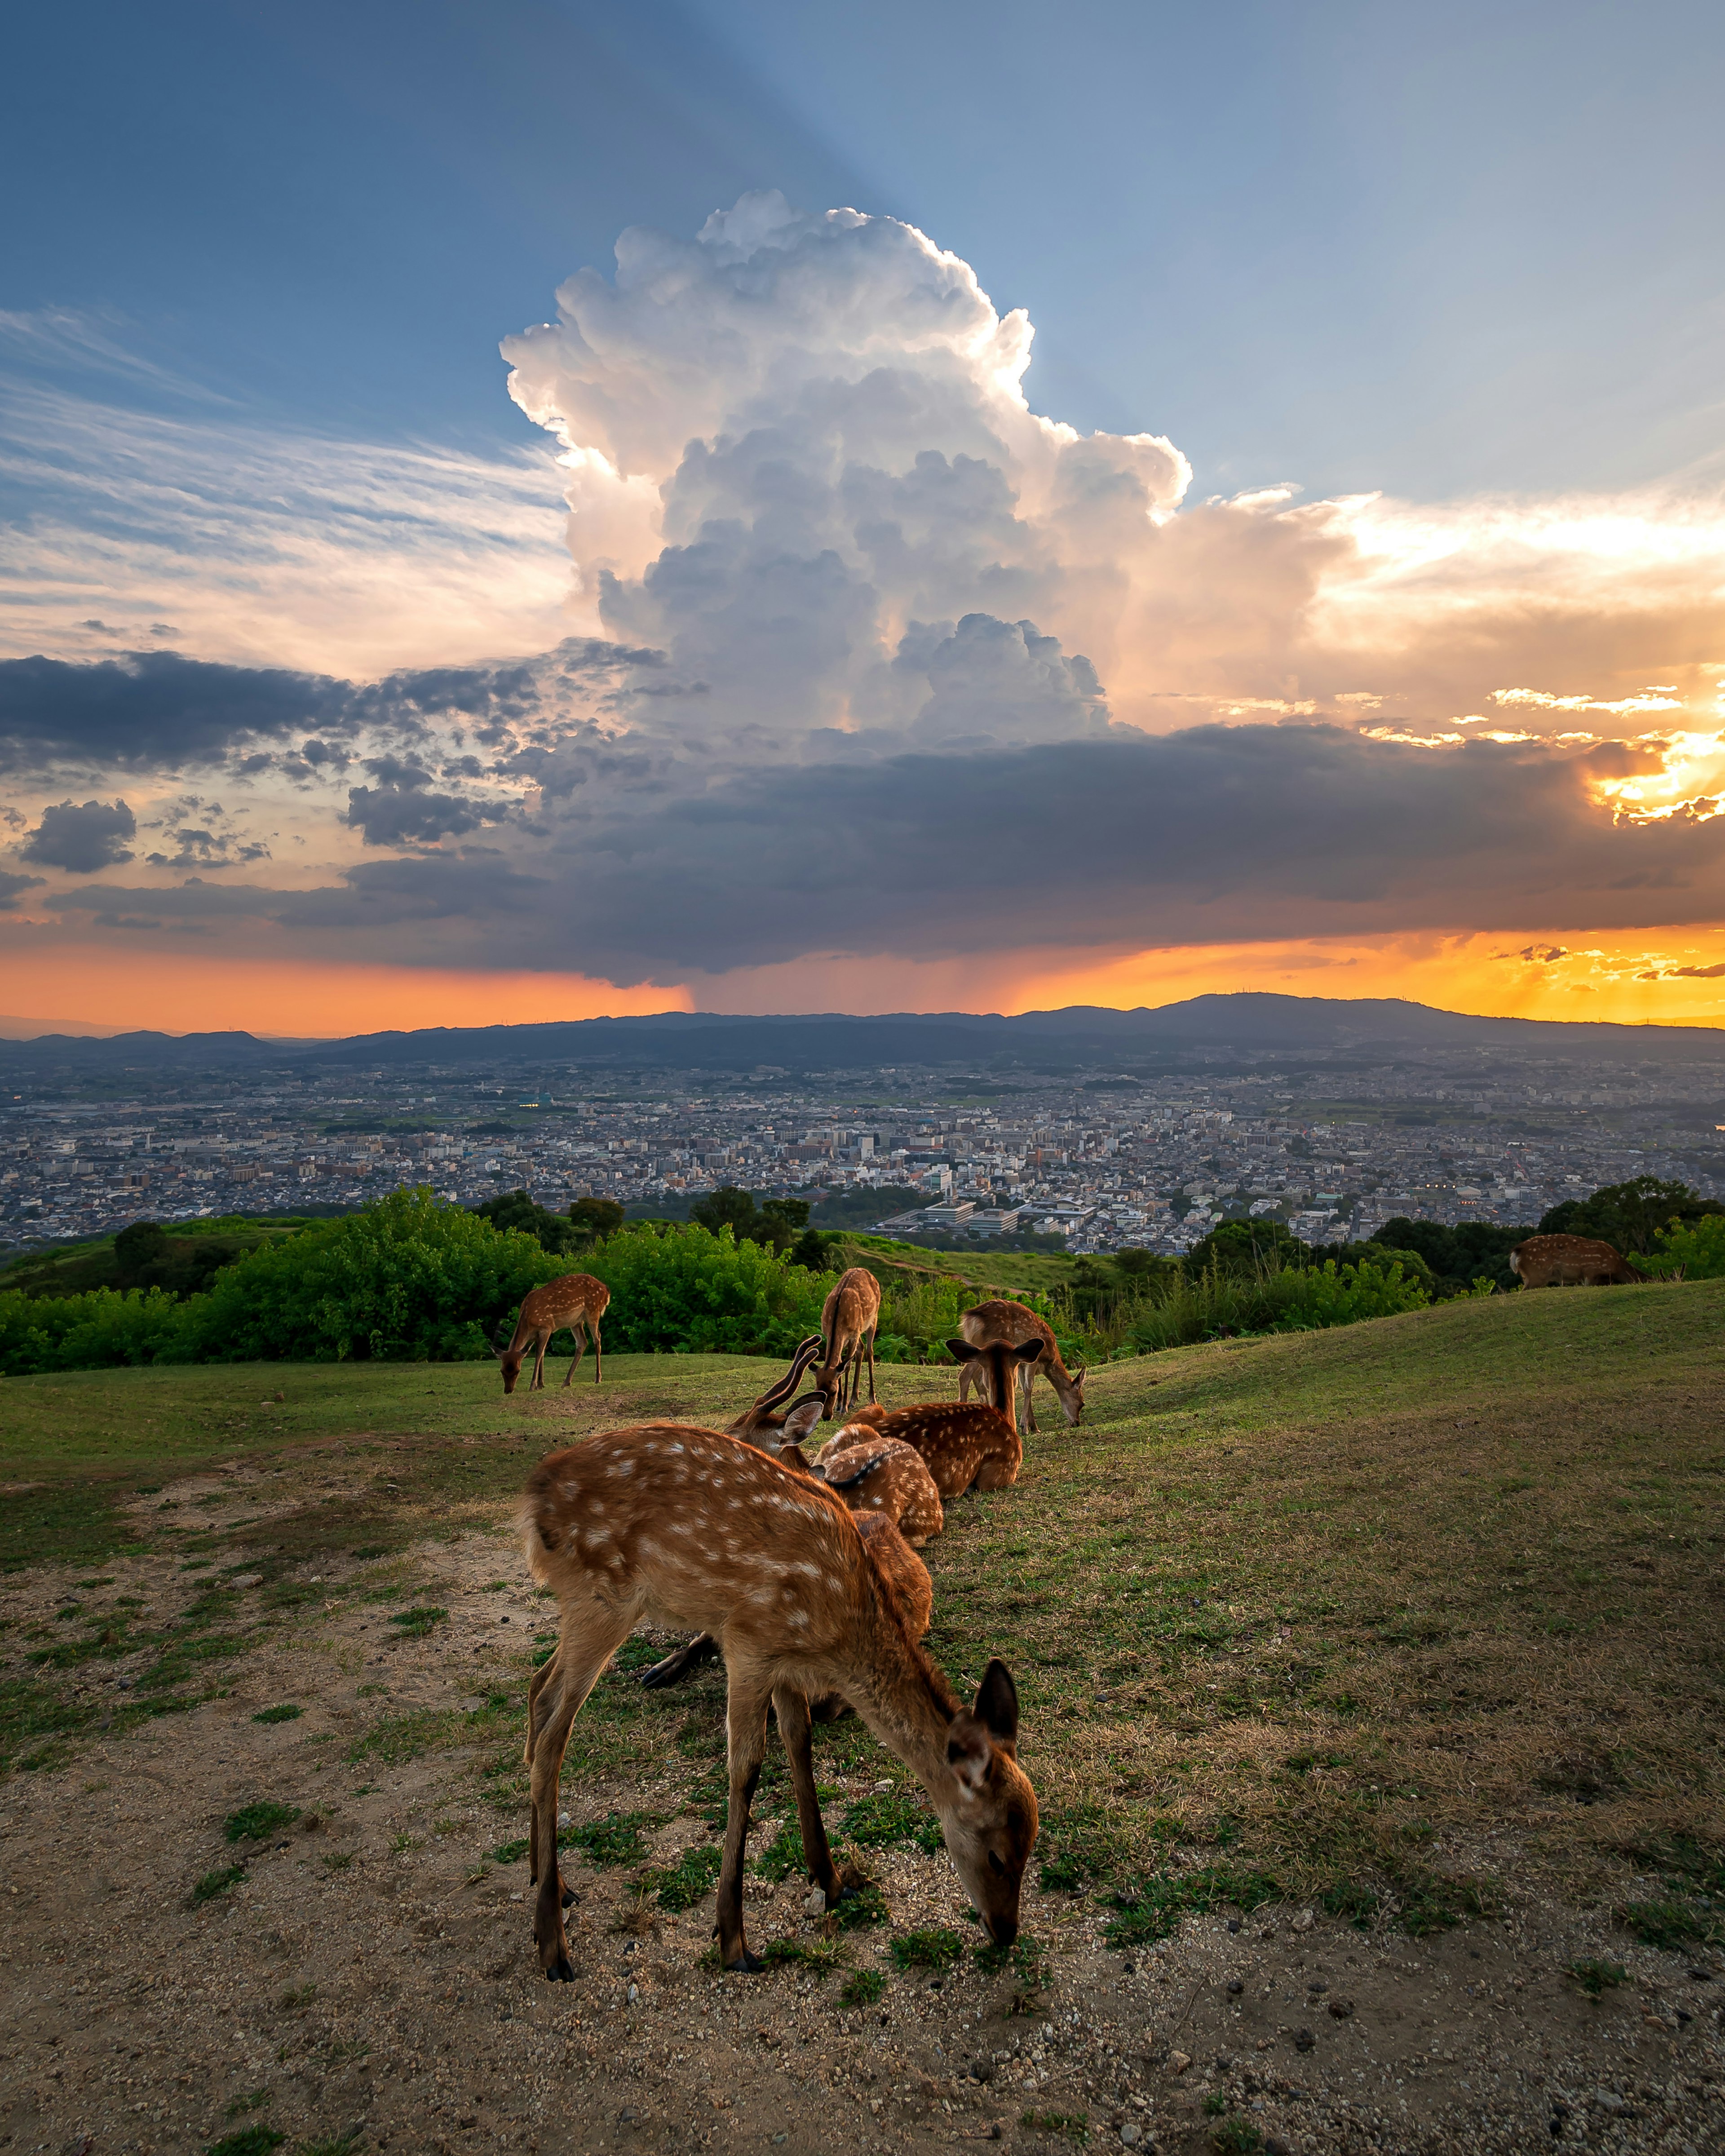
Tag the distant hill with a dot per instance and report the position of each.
(1081, 1036)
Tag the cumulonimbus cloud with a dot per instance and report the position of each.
(872, 658)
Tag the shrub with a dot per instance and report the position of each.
(93, 1332)
(409, 1278)
(705, 1293)
(1699, 1249)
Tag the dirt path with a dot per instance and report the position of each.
(359, 1974)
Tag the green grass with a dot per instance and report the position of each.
(1597, 1978)
(863, 1988)
(936, 1948)
(1310, 1609)
(257, 1822)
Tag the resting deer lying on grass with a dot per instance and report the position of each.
(1014, 1323)
(576, 1300)
(678, 1525)
(882, 1477)
(963, 1447)
(763, 1423)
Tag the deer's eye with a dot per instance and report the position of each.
(997, 1866)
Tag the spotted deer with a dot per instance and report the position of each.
(883, 1477)
(1015, 1324)
(848, 1318)
(763, 1422)
(576, 1300)
(903, 1570)
(964, 1446)
(1571, 1261)
(673, 1525)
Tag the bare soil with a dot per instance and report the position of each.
(365, 1978)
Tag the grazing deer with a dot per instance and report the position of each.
(1014, 1324)
(576, 1300)
(903, 1570)
(963, 1446)
(674, 1525)
(763, 1422)
(1570, 1261)
(881, 1477)
(847, 1320)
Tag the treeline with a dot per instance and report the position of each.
(413, 1279)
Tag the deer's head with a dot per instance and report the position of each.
(987, 1807)
(998, 1365)
(1072, 1402)
(511, 1359)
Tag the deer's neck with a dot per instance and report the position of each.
(889, 1685)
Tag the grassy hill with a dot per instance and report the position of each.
(1400, 1616)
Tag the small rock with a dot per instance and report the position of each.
(1274, 2146)
(1302, 1922)
(1179, 2061)
(815, 1902)
(1342, 2008)
(1233, 1923)
(1132, 2134)
(1700, 1976)
(1609, 2100)
(247, 1579)
(1235, 1986)
(562, 1819)
(1303, 2040)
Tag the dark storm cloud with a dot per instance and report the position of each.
(150, 709)
(154, 709)
(82, 839)
(12, 887)
(1214, 834)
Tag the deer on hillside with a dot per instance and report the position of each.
(576, 1300)
(1571, 1261)
(763, 1422)
(881, 1477)
(848, 1321)
(1015, 1324)
(903, 1570)
(677, 1525)
(963, 1446)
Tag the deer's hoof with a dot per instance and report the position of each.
(560, 1969)
(745, 1965)
(661, 1675)
(568, 1895)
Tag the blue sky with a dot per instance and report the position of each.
(1351, 246)
(1331, 594)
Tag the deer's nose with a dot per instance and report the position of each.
(1003, 1930)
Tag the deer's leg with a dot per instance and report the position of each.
(1029, 1382)
(678, 1666)
(542, 1342)
(996, 1474)
(794, 1726)
(746, 1721)
(966, 1378)
(872, 1366)
(545, 1671)
(580, 1340)
(598, 1355)
(589, 1640)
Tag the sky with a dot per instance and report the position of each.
(544, 510)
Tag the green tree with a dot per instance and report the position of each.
(515, 1209)
(594, 1219)
(1629, 1215)
(137, 1248)
(728, 1207)
(1246, 1249)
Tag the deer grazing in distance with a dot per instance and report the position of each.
(1015, 1324)
(1571, 1261)
(848, 1318)
(674, 1525)
(576, 1300)
(963, 1446)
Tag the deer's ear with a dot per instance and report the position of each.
(997, 1703)
(1028, 1352)
(804, 1419)
(962, 1350)
(969, 1753)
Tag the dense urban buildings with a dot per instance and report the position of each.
(1331, 1143)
